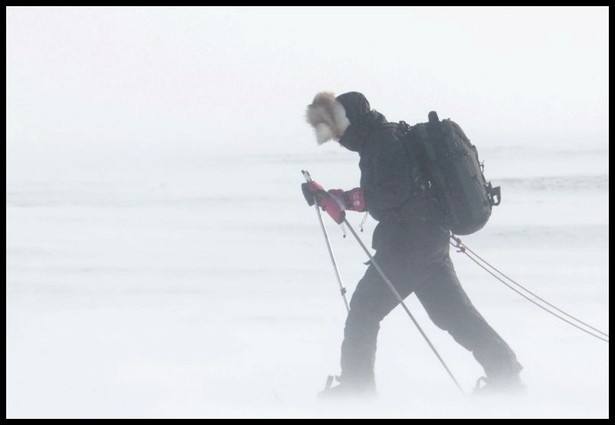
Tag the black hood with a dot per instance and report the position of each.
(362, 120)
(356, 106)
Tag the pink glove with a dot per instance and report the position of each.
(333, 205)
(353, 199)
(332, 202)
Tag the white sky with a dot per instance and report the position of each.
(167, 78)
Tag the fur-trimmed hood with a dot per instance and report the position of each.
(328, 117)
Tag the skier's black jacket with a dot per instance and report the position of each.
(391, 178)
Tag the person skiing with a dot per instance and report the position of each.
(410, 244)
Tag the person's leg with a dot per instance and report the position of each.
(404, 252)
(450, 309)
(371, 301)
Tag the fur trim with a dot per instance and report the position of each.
(328, 117)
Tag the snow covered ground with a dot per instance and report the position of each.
(200, 286)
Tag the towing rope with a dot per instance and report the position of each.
(463, 248)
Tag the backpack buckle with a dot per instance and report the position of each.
(494, 194)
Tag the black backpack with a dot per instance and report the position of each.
(450, 163)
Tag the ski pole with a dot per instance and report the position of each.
(401, 301)
(324, 231)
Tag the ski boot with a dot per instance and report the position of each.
(510, 385)
(346, 390)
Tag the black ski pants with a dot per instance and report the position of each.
(416, 259)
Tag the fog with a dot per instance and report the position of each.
(161, 260)
(240, 77)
